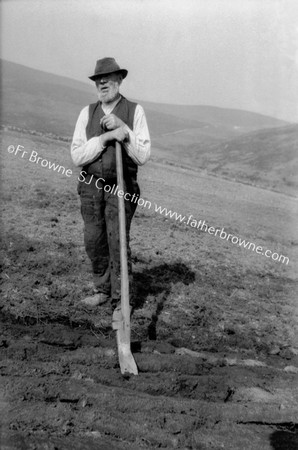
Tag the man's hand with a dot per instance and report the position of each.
(111, 122)
(120, 134)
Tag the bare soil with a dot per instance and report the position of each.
(214, 326)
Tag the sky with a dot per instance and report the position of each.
(239, 54)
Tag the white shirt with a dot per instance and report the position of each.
(138, 145)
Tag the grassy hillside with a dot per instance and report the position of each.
(38, 100)
(231, 119)
(266, 158)
(45, 102)
(241, 145)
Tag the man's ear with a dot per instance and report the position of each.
(120, 79)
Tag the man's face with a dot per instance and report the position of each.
(108, 87)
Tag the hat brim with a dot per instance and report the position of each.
(123, 72)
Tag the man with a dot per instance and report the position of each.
(112, 118)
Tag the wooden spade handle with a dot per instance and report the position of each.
(123, 244)
(121, 318)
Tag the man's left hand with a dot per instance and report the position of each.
(111, 122)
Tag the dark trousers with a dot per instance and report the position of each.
(99, 209)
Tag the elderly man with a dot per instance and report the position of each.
(112, 118)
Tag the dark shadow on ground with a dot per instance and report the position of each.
(285, 440)
(157, 282)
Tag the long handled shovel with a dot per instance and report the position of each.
(121, 316)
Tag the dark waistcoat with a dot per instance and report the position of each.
(105, 165)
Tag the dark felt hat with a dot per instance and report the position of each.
(105, 66)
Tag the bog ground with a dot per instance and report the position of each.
(214, 326)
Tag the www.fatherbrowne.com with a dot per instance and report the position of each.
(190, 221)
(220, 232)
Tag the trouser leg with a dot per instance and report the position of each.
(95, 235)
(101, 233)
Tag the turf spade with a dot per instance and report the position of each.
(121, 315)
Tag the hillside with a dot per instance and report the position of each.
(38, 100)
(232, 119)
(266, 158)
(241, 145)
